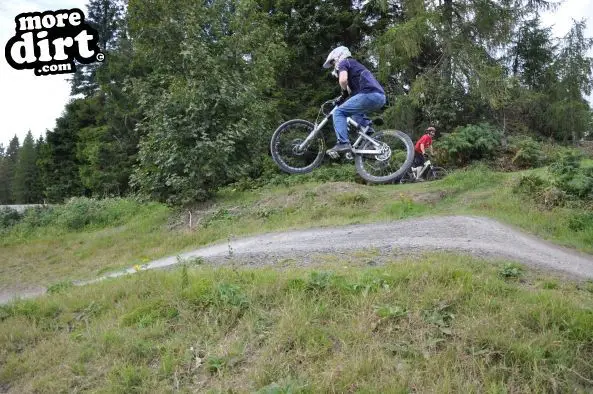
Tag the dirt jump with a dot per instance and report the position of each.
(478, 236)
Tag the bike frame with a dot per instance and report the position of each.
(356, 144)
(427, 165)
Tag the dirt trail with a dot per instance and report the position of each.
(474, 235)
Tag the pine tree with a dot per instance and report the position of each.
(7, 166)
(26, 175)
(105, 16)
(4, 177)
(59, 163)
(571, 111)
(445, 54)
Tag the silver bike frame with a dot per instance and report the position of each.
(427, 165)
(356, 144)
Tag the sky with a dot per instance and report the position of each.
(29, 102)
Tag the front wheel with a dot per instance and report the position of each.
(285, 150)
(395, 157)
(436, 173)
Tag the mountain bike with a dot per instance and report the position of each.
(429, 172)
(298, 147)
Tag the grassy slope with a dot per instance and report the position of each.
(439, 323)
(51, 254)
(442, 324)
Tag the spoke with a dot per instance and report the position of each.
(392, 157)
(288, 142)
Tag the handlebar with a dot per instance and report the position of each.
(332, 102)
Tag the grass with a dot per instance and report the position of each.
(71, 246)
(438, 323)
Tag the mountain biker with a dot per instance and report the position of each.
(366, 95)
(420, 149)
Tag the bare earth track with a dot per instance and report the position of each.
(478, 236)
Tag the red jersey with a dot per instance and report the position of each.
(426, 139)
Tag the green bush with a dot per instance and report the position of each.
(531, 185)
(79, 213)
(526, 152)
(470, 143)
(570, 182)
(541, 191)
(571, 177)
(9, 217)
(38, 217)
(581, 221)
(272, 176)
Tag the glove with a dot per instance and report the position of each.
(342, 98)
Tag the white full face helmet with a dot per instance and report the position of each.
(335, 56)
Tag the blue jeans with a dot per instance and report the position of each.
(356, 107)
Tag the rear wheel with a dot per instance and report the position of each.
(285, 150)
(436, 173)
(393, 161)
(408, 177)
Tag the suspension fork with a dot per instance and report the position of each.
(313, 134)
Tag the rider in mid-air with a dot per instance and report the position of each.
(366, 95)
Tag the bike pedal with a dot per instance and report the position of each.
(349, 156)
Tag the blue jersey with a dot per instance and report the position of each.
(360, 79)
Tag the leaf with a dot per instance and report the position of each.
(446, 330)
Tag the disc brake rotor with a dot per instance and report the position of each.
(385, 153)
(295, 147)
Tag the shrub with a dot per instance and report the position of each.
(272, 176)
(79, 213)
(570, 177)
(531, 185)
(470, 143)
(541, 191)
(526, 152)
(580, 221)
(9, 217)
(510, 271)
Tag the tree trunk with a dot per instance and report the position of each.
(448, 29)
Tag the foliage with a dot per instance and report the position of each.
(526, 152)
(190, 91)
(531, 185)
(511, 271)
(571, 177)
(207, 124)
(105, 16)
(26, 184)
(77, 213)
(470, 143)
(8, 161)
(9, 217)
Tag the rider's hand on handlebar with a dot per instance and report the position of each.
(340, 100)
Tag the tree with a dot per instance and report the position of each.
(571, 111)
(445, 55)
(4, 177)
(207, 115)
(532, 54)
(26, 186)
(311, 29)
(8, 160)
(106, 17)
(59, 162)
